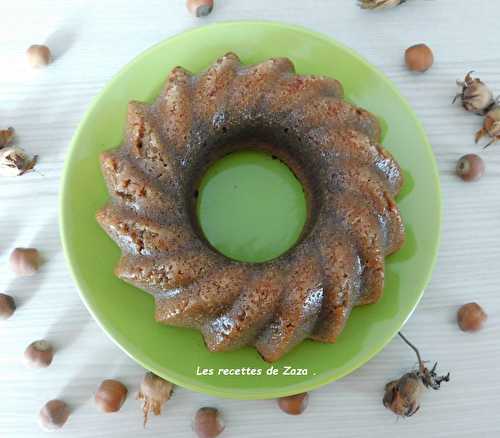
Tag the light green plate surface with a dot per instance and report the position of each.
(126, 313)
(251, 207)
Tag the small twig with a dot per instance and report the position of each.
(415, 349)
(489, 144)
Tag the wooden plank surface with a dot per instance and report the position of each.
(92, 40)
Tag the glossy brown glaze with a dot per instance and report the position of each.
(332, 146)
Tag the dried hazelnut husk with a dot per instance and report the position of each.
(419, 58)
(379, 4)
(154, 393)
(208, 423)
(200, 8)
(39, 55)
(53, 415)
(470, 167)
(471, 317)
(6, 137)
(39, 354)
(25, 262)
(110, 395)
(403, 396)
(7, 306)
(294, 404)
(14, 161)
(491, 126)
(475, 96)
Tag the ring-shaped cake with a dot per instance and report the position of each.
(333, 148)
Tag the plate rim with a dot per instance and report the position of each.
(235, 393)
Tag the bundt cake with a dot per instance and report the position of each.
(331, 145)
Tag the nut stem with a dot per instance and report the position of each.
(415, 349)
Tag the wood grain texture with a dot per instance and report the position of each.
(92, 40)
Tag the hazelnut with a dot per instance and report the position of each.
(39, 55)
(475, 95)
(470, 167)
(154, 393)
(200, 8)
(53, 415)
(24, 261)
(39, 354)
(470, 317)
(419, 57)
(294, 404)
(110, 395)
(208, 423)
(7, 306)
(403, 396)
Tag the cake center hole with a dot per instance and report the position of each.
(250, 206)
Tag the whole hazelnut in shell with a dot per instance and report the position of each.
(419, 58)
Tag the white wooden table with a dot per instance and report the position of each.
(92, 40)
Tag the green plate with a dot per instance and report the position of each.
(179, 355)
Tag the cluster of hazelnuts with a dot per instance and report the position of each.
(111, 394)
(24, 262)
(154, 391)
(475, 97)
(402, 396)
